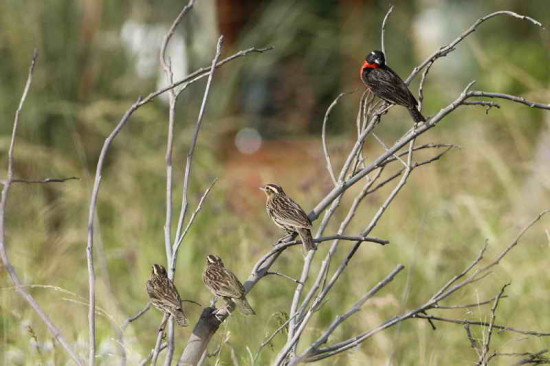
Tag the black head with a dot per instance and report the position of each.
(159, 270)
(272, 189)
(214, 259)
(376, 57)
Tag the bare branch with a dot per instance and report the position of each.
(191, 78)
(473, 342)
(421, 86)
(296, 299)
(466, 306)
(356, 307)
(483, 358)
(445, 50)
(483, 324)
(487, 105)
(514, 242)
(173, 96)
(324, 137)
(282, 275)
(462, 274)
(531, 358)
(270, 338)
(507, 97)
(54, 330)
(420, 312)
(150, 355)
(382, 33)
(123, 327)
(191, 152)
(280, 247)
(40, 181)
(157, 349)
(203, 331)
(191, 220)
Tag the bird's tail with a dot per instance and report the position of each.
(180, 317)
(244, 306)
(307, 239)
(416, 115)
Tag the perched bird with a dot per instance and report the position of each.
(164, 295)
(387, 85)
(223, 283)
(288, 215)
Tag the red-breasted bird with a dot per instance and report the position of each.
(387, 85)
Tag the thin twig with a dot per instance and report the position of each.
(275, 273)
(483, 324)
(444, 51)
(150, 355)
(296, 298)
(40, 181)
(324, 138)
(188, 226)
(123, 327)
(280, 247)
(383, 31)
(172, 258)
(156, 350)
(356, 307)
(483, 361)
(54, 330)
(323, 271)
(191, 152)
(270, 338)
(473, 342)
(513, 98)
(420, 312)
(191, 78)
(172, 97)
(466, 306)
(421, 86)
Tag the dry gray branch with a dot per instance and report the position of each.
(445, 292)
(191, 78)
(324, 137)
(54, 330)
(191, 152)
(484, 357)
(445, 50)
(383, 31)
(40, 181)
(123, 356)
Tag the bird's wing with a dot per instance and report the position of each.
(290, 213)
(230, 286)
(389, 86)
(165, 292)
(222, 282)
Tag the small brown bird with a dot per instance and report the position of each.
(223, 283)
(288, 215)
(164, 295)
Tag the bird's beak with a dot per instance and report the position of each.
(378, 62)
(262, 188)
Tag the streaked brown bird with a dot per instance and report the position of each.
(223, 283)
(288, 215)
(164, 295)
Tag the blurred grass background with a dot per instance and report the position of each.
(97, 56)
